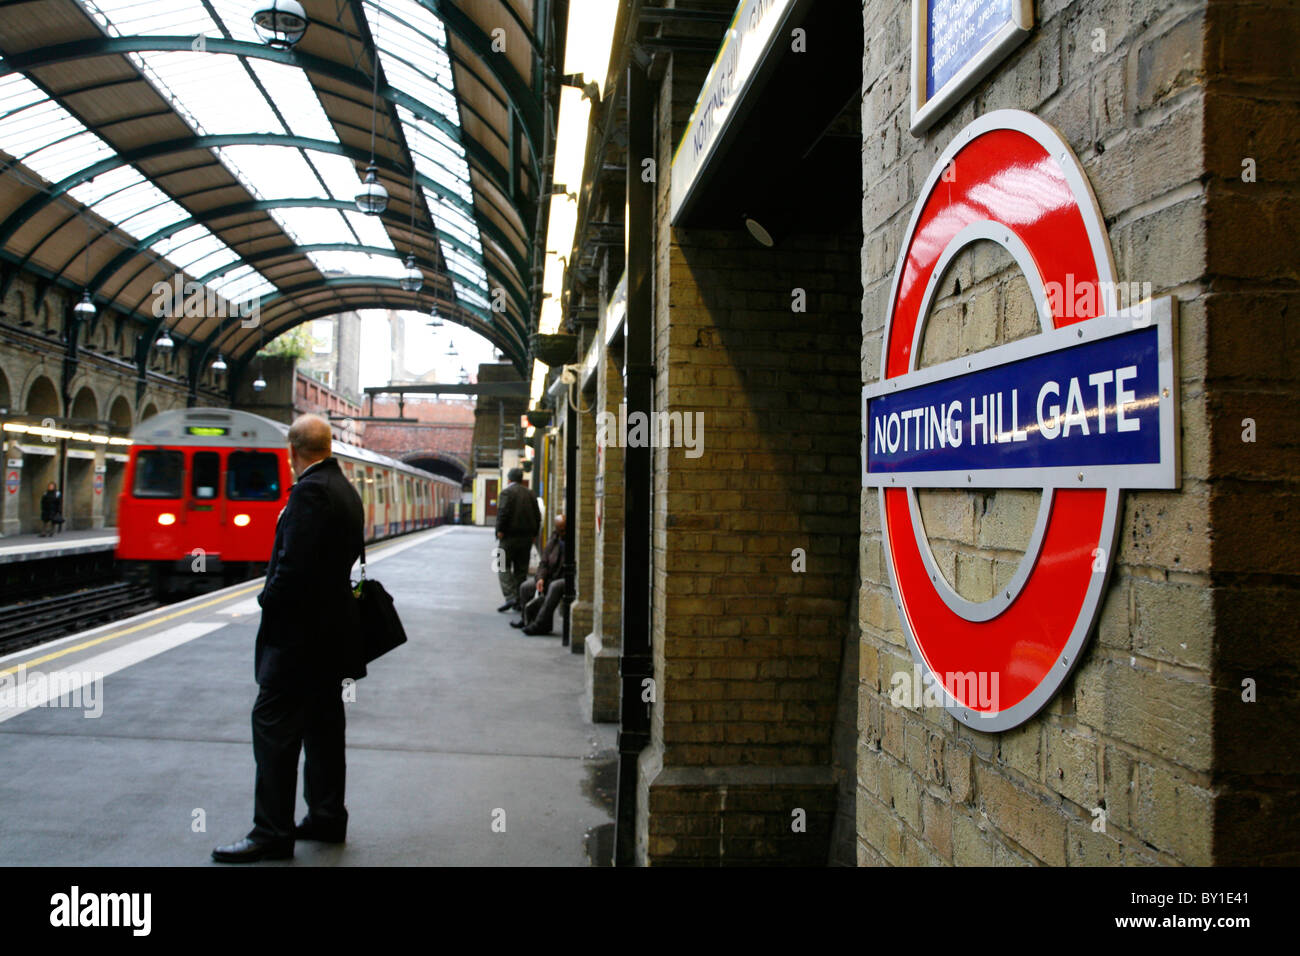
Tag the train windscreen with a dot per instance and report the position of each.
(159, 473)
(252, 476)
(205, 472)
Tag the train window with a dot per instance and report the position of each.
(205, 474)
(159, 474)
(252, 476)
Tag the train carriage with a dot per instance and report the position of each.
(204, 487)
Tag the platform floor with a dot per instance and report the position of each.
(30, 547)
(468, 719)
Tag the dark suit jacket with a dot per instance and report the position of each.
(309, 616)
(517, 513)
(551, 567)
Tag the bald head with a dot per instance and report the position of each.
(309, 441)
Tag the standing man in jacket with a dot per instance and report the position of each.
(518, 521)
(307, 642)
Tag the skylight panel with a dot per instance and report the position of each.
(339, 173)
(214, 260)
(467, 295)
(370, 229)
(311, 225)
(292, 92)
(358, 264)
(106, 187)
(65, 157)
(17, 93)
(151, 17)
(242, 284)
(235, 17)
(213, 91)
(277, 172)
(152, 218)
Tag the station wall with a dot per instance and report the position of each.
(1152, 752)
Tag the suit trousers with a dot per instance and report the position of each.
(516, 551)
(540, 611)
(287, 720)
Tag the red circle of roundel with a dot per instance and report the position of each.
(1010, 177)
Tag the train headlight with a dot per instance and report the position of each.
(242, 520)
(166, 518)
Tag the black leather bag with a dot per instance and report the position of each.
(379, 625)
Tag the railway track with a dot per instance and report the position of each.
(34, 622)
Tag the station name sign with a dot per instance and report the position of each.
(741, 60)
(1085, 406)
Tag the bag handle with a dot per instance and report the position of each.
(363, 556)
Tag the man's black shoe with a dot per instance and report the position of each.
(517, 624)
(508, 606)
(534, 631)
(310, 830)
(249, 851)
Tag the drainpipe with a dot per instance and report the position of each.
(635, 662)
(571, 426)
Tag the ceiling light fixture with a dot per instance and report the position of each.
(280, 23)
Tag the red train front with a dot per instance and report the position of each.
(204, 488)
(202, 492)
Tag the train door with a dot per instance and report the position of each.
(204, 510)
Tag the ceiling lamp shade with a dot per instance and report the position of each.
(413, 281)
(373, 197)
(164, 343)
(259, 383)
(280, 23)
(85, 307)
(220, 364)
(435, 319)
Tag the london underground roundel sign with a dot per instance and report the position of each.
(1082, 410)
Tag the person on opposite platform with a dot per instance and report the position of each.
(51, 510)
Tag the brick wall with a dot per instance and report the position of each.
(602, 645)
(747, 647)
(1150, 729)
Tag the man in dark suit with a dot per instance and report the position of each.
(518, 521)
(306, 644)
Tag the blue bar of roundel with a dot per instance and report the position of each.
(1139, 348)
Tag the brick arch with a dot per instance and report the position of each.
(119, 411)
(85, 404)
(149, 411)
(41, 388)
(6, 389)
(439, 463)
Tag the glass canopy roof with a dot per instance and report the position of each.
(274, 123)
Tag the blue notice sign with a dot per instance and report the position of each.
(957, 31)
(957, 42)
(1089, 405)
